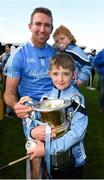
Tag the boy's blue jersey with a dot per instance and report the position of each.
(31, 64)
(74, 137)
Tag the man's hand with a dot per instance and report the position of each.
(21, 110)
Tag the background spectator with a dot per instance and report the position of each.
(92, 56)
(99, 64)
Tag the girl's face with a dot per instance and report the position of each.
(61, 77)
(61, 41)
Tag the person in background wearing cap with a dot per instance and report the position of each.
(66, 42)
(92, 56)
(99, 64)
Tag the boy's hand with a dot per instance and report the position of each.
(39, 132)
(37, 151)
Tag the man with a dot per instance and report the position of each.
(27, 68)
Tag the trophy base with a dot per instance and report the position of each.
(60, 159)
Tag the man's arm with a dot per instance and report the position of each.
(11, 91)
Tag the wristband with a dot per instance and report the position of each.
(30, 144)
(31, 134)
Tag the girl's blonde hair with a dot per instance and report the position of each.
(64, 30)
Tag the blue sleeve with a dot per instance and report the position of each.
(75, 134)
(82, 62)
(14, 65)
(84, 73)
(99, 60)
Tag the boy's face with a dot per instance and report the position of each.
(61, 77)
(61, 41)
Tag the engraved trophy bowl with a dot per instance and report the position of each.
(53, 112)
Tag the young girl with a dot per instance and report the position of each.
(66, 42)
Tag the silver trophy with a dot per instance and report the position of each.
(55, 112)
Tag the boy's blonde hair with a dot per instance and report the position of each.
(64, 60)
(64, 30)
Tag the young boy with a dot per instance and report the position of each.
(66, 42)
(62, 72)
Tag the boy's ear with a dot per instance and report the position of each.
(74, 75)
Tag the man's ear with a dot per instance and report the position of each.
(29, 26)
(52, 28)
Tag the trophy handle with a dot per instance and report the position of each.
(71, 114)
(80, 100)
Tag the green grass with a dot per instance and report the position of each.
(94, 140)
(11, 148)
(12, 141)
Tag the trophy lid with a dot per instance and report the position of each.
(51, 105)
